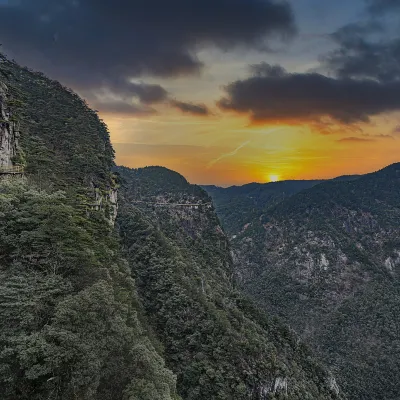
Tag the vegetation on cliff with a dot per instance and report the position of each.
(71, 323)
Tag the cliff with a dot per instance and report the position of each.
(71, 323)
(9, 134)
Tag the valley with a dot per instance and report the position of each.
(325, 260)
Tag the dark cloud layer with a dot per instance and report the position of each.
(85, 43)
(123, 108)
(148, 94)
(379, 6)
(191, 108)
(143, 92)
(379, 136)
(120, 96)
(273, 96)
(136, 99)
(361, 55)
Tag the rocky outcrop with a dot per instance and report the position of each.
(333, 385)
(112, 199)
(108, 202)
(8, 130)
(278, 386)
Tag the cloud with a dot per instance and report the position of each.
(123, 108)
(125, 89)
(276, 96)
(191, 108)
(264, 69)
(88, 43)
(354, 139)
(381, 6)
(147, 94)
(380, 136)
(125, 97)
(396, 130)
(364, 52)
(136, 99)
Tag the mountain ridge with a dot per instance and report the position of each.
(196, 239)
(326, 261)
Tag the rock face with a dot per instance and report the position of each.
(8, 131)
(278, 386)
(108, 202)
(113, 203)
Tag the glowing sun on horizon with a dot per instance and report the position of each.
(273, 178)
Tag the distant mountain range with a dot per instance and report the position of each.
(325, 257)
(237, 205)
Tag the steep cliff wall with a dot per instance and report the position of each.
(9, 134)
(57, 137)
(71, 322)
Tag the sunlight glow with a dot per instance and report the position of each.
(273, 178)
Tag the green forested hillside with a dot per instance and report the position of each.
(63, 140)
(237, 206)
(326, 260)
(219, 345)
(241, 205)
(71, 325)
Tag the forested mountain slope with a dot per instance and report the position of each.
(327, 261)
(240, 206)
(71, 324)
(219, 345)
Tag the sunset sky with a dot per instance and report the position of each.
(226, 91)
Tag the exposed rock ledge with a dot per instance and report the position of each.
(8, 131)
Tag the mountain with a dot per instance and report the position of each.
(129, 299)
(71, 323)
(219, 345)
(326, 260)
(238, 206)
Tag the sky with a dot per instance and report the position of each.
(226, 92)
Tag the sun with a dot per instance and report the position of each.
(273, 178)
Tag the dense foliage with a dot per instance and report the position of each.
(71, 323)
(63, 141)
(219, 345)
(68, 307)
(327, 261)
(240, 205)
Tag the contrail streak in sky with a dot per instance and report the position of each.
(227, 154)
